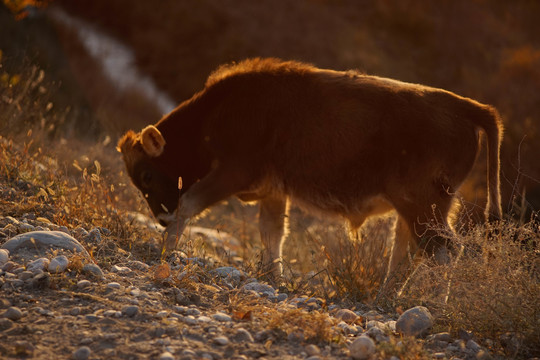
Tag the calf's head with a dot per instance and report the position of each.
(143, 155)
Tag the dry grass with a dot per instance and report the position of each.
(492, 289)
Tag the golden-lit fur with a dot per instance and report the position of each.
(343, 143)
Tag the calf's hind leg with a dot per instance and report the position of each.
(273, 226)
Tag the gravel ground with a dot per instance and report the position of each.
(58, 303)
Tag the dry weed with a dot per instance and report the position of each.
(492, 289)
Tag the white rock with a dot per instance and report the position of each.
(414, 322)
(4, 256)
(58, 264)
(46, 240)
(362, 348)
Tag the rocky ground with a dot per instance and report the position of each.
(59, 301)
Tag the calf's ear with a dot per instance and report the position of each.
(152, 141)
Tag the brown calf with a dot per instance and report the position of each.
(342, 143)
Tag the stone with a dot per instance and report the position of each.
(414, 322)
(38, 265)
(137, 265)
(74, 311)
(166, 356)
(346, 315)
(93, 237)
(82, 284)
(259, 288)
(25, 275)
(114, 285)
(58, 264)
(221, 317)
(229, 273)
(362, 348)
(94, 270)
(473, 346)
(130, 310)
(41, 280)
(82, 353)
(203, 319)
(13, 313)
(122, 270)
(377, 334)
(312, 350)
(44, 241)
(4, 256)
(443, 336)
(242, 335)
(221, 340)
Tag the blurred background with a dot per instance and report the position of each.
(100, 67)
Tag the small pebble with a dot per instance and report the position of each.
(242, 335)
(346, 315)
(38, 265)
(82, 353)
(134, 291)
(473, 346)
(260, 288)
(162, 314)
(82, 284)
(4, 256)
(130, 310)
(9, 266)
(114, 285)
(221, 317)
(166, 356)
(362, 348)
(93, 270)
(137, 265)
(13, 313)
(204, 319)
(75, 311)
(109, 313)
(312, 350)
(58, 264)
(193, 311)
(25, 275)
(122, 270)
(221, 340)
(414, 322)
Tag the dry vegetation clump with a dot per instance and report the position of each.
(356, 264)
(491, 289)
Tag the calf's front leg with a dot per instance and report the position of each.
(273, 226)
